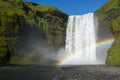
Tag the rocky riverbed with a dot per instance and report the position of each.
(89, 73)
(60, 73)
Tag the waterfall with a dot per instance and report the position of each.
(81, 40)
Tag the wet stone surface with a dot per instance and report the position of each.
(88, 73)
(60, 73)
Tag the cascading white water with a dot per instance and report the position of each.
(81, 40)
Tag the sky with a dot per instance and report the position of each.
(73, 7)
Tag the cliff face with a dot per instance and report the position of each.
(109, 17)
(25, 26)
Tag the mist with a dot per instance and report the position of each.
(102, 33)
(36, 46)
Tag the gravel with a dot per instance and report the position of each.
(88, 73)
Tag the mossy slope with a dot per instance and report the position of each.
(109, 16)
(24, 26)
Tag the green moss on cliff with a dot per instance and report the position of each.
(109, 16)
(116, 24)
(114, 52)
(24, 26)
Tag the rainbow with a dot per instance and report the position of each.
(70, 55)
(28, 59)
